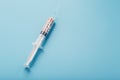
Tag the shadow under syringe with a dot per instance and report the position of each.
(40, 51)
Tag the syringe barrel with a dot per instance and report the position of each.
(47, 27)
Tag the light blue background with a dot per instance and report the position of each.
(84, 44)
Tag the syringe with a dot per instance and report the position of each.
(38, 43)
